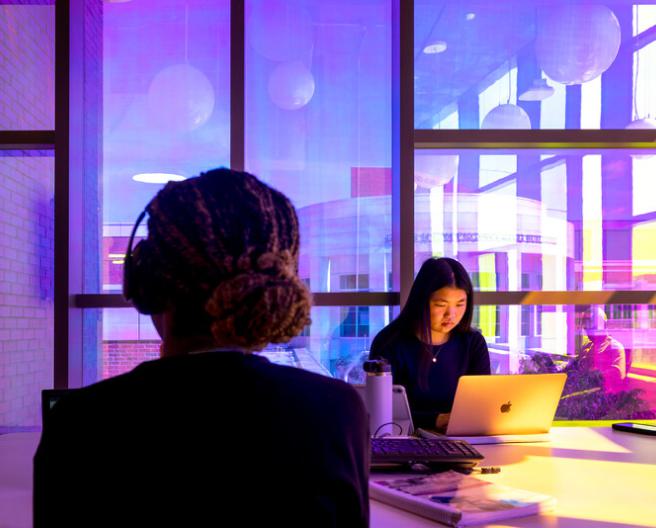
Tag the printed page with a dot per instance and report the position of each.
(457, 499)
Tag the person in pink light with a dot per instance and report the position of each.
(602, 352)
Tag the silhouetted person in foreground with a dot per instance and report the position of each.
(210, 434)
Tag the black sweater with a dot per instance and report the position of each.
(463, 353)
(201, 439)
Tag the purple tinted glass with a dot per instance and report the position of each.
(540, 220)
(166, 98)
(533, 64)
(318, 127)
(607, 351)
(334, 344)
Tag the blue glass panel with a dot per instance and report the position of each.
(533, 64)
(318, 127)
(166, 97)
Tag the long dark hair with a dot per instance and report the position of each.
(414, 319)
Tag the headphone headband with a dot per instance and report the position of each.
(128, 280)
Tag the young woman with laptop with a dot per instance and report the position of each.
(431, 344)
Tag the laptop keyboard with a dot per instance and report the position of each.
(411, 450)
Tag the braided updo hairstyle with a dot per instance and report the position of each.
(222, 254)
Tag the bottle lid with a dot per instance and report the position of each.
(376, 366)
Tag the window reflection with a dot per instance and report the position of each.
(534, 64)
(540, 220)
(610, 365)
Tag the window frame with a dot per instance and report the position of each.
(70, 301)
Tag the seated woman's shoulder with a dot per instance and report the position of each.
(473, 336)
(385, 342)
(476, 333)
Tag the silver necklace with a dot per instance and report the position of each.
(435, 352)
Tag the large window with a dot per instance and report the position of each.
(533, 65)
(317, 117)
(317, 90)
(318, 127)
(526, 220)
(544, 226)
(513, 136)
(166, 106)
(336, 343)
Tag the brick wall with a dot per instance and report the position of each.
(26, 285)
(26, 214)
(27, 67)
(122, 356)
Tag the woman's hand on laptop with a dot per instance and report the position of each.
(441, 422)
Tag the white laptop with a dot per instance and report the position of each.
(504, 408)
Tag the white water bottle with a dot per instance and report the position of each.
(378, 396)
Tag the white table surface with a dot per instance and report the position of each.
(16, 453)
(601, 478)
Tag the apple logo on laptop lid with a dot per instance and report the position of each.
(505, 408)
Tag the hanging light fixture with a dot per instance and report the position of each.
(506, 116)
(434, 47)
(576, 43)
(646, 123)
(180, 97)
(291, 85)
(434, 170)
(538, 91)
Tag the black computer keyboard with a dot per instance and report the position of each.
(410, 450)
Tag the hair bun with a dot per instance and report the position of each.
(253, 309)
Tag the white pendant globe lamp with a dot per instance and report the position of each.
(576, 43)
(180, 97)
(291, 85)
(434, 170)
(506, 117)
(538, 91)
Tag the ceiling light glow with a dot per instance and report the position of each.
(437, 46)
(157, 177)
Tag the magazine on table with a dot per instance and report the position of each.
(456, 499)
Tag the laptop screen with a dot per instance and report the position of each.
(49, 398)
